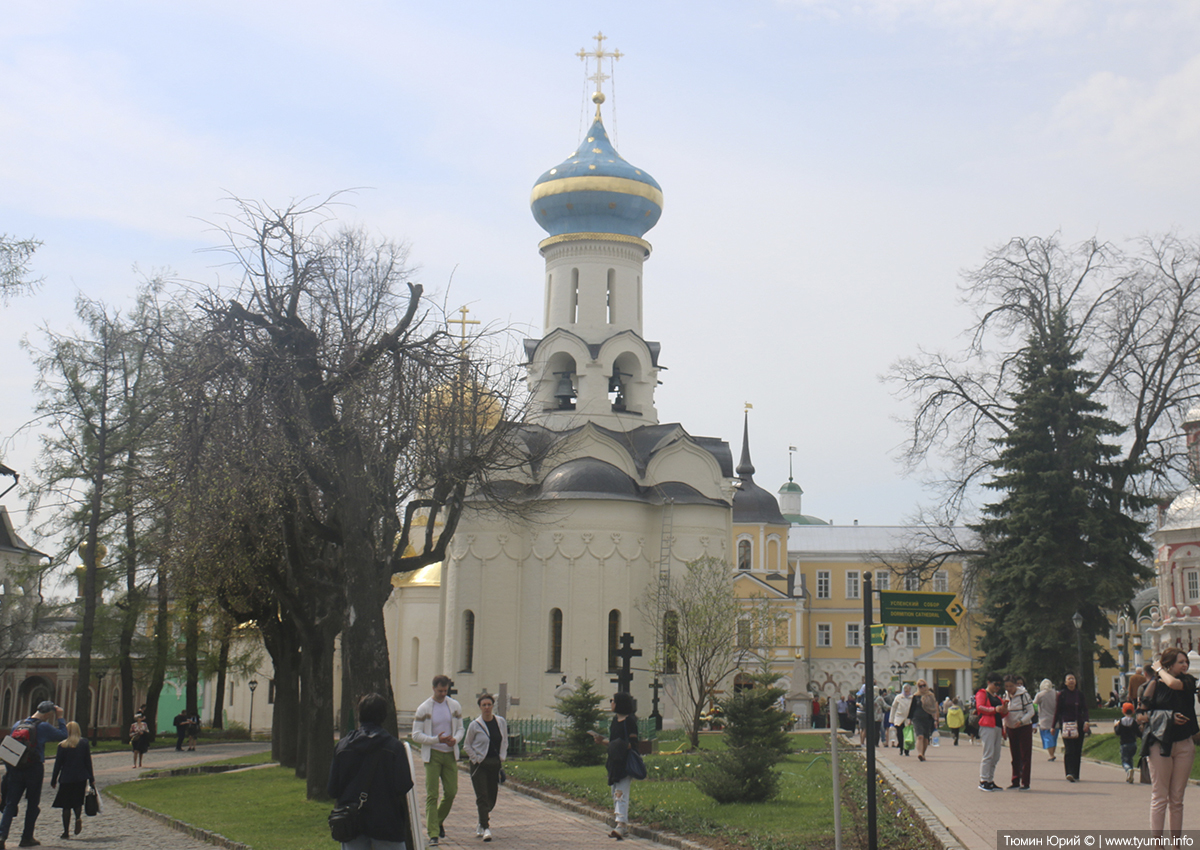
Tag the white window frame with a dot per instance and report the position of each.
(1191, 585)
(853, 635)
(824, 584)
(912, 636)
(854, 592)
(941, 637)
(824, 634)
(883, 580)
(941, 582)
(912, 581)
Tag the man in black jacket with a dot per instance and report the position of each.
(371, 760)
(181, 728)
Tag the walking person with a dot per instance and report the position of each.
(991, 708)
(886, 723)
(1018, 723)
(181, 729)
(487, 748)
(901, 707)
(1046, 701)
(139, 739)
(1169, 703)
(622, 734)
(72, 774)
(1071, 719)
(370, 760)
(956, 719)
(924, 716)
(45, 724)
(1126, 729)
(193, 731)
(438, 728)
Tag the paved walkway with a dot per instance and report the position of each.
(118, 828)
(947, 783)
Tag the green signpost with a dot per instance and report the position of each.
(914, 608)
(879, 635)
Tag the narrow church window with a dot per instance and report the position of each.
(639, 297)
(270, 692)
(743, 633)
(670, 641)
(556, 632)
(416, 660)
(743, 554)
(549, 289)
(614, 637)
(772, 554)
(115, 705)
(612, 296)
(5, 717)
(574, 296)
(468, 654)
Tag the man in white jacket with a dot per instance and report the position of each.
(438, 728)
(1019, 723)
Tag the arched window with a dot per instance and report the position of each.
(743, 554)
(468, 636)
(556, 634)
(670, 641)
(612, 296)
(116, 706)
(416, 660)
(574, 296)
(614, 637)
(772, 554)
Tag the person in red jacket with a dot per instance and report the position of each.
(991, 707)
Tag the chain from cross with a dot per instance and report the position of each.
(626, 653)
(462, 322)
(599, 55)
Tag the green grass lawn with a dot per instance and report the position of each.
(279, 819)
(802, 816)
(1106, 747)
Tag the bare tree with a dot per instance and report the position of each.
(15, 255)
(1135, 315)
(699, 635)
(361, 420)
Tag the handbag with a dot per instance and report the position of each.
(1144, 771)
(91, 802)
(634, 766)
(910, 737)
(346, 820)
(1070, 729)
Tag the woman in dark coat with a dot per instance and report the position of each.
(924, 716)
(1071, 718)
(622, 734)
(72, 774)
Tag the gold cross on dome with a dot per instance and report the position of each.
(462, 321)
(599, 55)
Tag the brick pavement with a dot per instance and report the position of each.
(947, 783)
(118, 828)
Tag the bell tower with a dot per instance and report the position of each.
(592, 363)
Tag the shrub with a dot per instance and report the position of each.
(582, 709)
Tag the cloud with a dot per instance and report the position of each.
(1152, 126)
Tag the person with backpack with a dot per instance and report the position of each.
(27, 779)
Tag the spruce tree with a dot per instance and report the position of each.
(1063, 537)
(755, 742)
(582, 709)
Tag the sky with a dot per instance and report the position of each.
(829, 171)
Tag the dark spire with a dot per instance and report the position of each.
(745, 469)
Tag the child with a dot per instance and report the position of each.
(955, 720)
(1127, 731)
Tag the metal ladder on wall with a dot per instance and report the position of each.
(664, 579)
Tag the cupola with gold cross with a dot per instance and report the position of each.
(592, 364)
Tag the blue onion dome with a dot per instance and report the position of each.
(594, 191)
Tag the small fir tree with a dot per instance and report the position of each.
(755, 742)
(582, 709)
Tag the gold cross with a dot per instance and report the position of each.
(599, 55)
(462, 322)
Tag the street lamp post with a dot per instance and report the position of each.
(252, 684)
(1077, 620)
